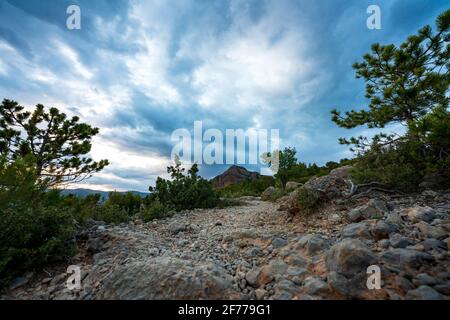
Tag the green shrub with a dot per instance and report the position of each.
(156, 210)
(184, 191)
(108, 214)
(128, 201)
(32, 236)
(307, 200)
(247, 188)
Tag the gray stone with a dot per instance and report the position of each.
(382, 230)
(433, 244)
(443, 288)
(176, 227)
(424, 279)
(417, 214)
(252, 276)
(268, 193)
(312, 244)
(278, 266)
(401, 258)
(423, 293)
(384, 243)
(356, 230)
(254, 252)
(347, 263)
(316, 286)
(395, 219)
(18, 282)
(430, 231)
(279, 242)
(373, 209)
(166, 278)
(291, 185)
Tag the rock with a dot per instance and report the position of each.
(176, 227)
(433, 244)
(424, 279)
(165, 278)
(312, 244)
(265, 276)
(252, 276)
(335, 218)
(260, 294)
(430, 194)
(316, 286)
(398, 241)
(18, 282)
(254, 252)
(282, 295)
(418, 214)
(423, 293)
(430, 231)
(371, 210)
(406, 258)
(291, 185)
(357, 230)
(342, 172)
(394, 218)
(382, 230)
(278, 266)
(94, 245)
(384, 243)
(268, 193)
(443, 288)
(279, 242)
(331, 186)
(347, 262)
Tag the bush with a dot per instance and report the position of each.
(247, 188)
(107, 213)
(156, 210)
(184, 191)
(307, 200)
(128, 201)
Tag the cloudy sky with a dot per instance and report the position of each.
(138, 70)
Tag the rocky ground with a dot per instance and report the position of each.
(260, 250)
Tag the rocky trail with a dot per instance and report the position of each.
(259, 250)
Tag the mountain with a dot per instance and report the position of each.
(104, 194)
(233, 175)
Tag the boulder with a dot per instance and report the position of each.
(166, 278)
(268, 193)
(382, 230)
(406, 258)
(291, 185)
(331, 186)
(342, 172)
(429, 231)
(423, 293)
(374, 208)
(357, 230)
(312, 244)
(418, 213)
(347, 263)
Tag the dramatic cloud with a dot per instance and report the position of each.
(141, 69)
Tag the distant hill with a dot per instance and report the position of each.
(104, 194)
(233, 175)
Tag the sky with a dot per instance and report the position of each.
(139, 70)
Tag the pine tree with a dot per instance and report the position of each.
(57, 145)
